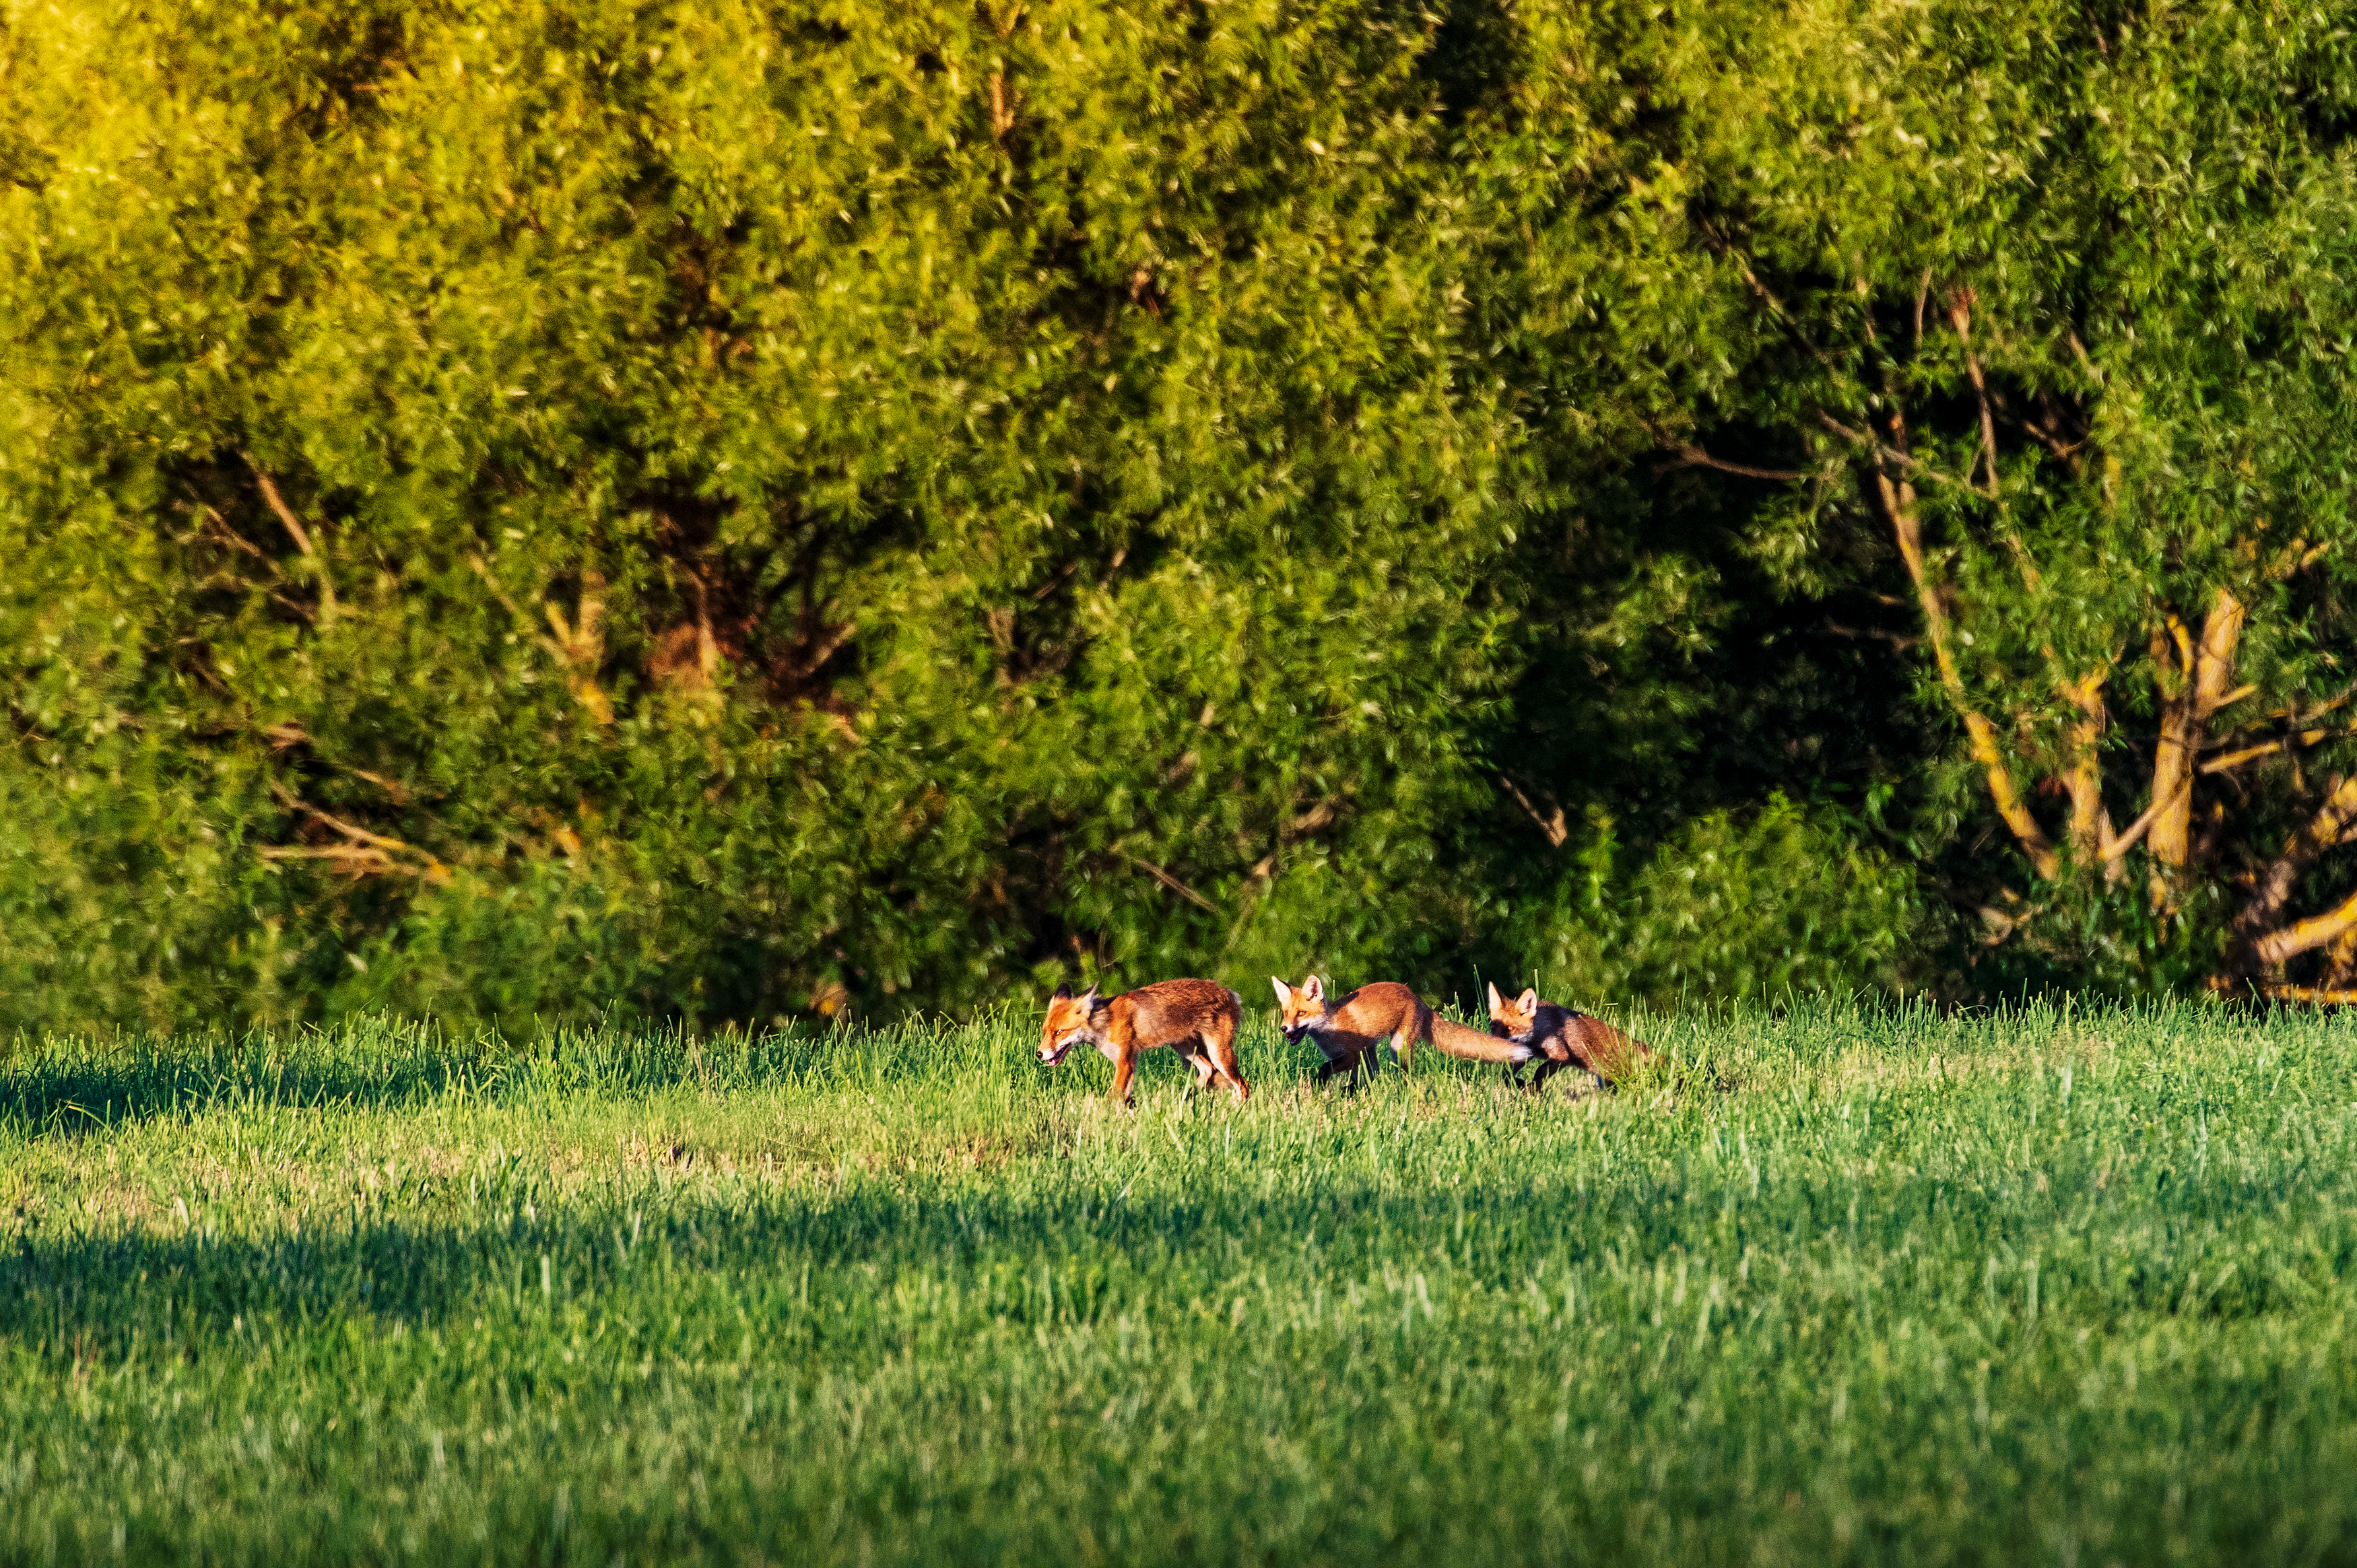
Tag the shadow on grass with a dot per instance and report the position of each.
(74, 1089)
(1100, 1253)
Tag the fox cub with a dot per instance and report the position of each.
(1350, 1028)
(1197, 1018)
(1565, 1037)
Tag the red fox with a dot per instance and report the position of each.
(1565, 1036)
(1197, 1018)
(1350, 1029)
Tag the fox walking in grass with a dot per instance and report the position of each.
(1565, 1037)
(1350, 1028)
(1197, 1018)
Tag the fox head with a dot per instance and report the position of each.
(1518, 1021)
(1070, 1019)
(1299, 1008)
(1518, 1017)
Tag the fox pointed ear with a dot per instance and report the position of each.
(1314, 989)
(1063, 993)
(1284, 992)
(1091, 994)
(1528, 1001)
(1496, 1000)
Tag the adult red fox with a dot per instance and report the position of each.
(1197, 1018)
(1565, 1036)
(1349, 1029)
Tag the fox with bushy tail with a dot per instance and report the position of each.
(1565, 1037)
(1350, 1028)
(1197, 1018)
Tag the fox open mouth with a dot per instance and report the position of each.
(1050, 1055)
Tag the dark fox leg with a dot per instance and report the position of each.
(1350, 1068)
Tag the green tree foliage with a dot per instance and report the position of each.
(2034, 323)
(734, 510)
(679, 507)
(1783, 903)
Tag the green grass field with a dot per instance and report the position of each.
(2037, 1288)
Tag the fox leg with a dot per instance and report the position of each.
(1348, 1069)
(1220, 1055)
(1124, 1067)
(1404, 1040)
(1347, 1066)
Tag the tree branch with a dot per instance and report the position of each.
(287, 799)
(2307, 935)
(2315, 995)
(2273, 889)
(1960, 317)
(2091, 834)
(1898, 499)
(365, 854)
(1890, 454)
(2235, 759)
(1168, 881)
(2205, 668)
(2137, 830)
(1691, 456)
(301, 536)
(1552, 826)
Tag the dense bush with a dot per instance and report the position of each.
(743, 509)
(1782, 903)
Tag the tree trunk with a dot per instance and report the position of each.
(2205, 671)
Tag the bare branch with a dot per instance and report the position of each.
(287, 797)
(1551, 824)
(2315, 995)
(2320, 833)
(1897, 500)
(232, 538)
(301, 536)
(1959, 316)
(2091, 832)
(2079, 350)
(1696, 457)
(2204, 669)
(365, 853)
(1168, 881)
(2307, 935)
(2125, 841)
(1873, 634)
(1890, 454)
(2235, 759)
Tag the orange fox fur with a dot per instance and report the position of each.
(1350, 1028)
(1197, 1018)
(1564, 1037)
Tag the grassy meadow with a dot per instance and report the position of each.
(2038, 1287)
